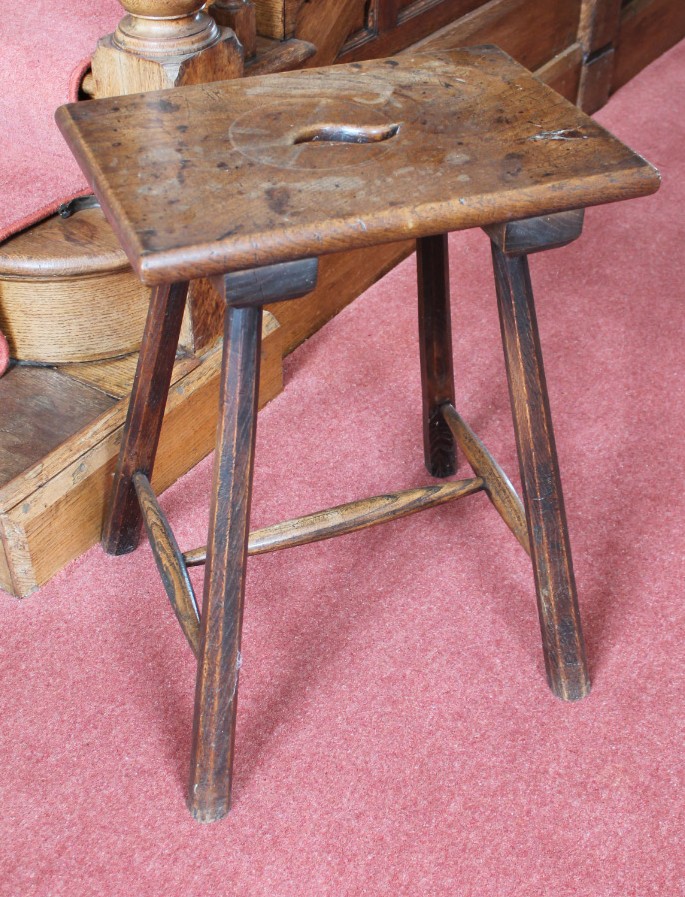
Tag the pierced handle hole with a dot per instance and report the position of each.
(335, 133)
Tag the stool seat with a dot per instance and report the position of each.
(218, 177)
(249, 183)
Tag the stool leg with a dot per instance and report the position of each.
(435, 344)
(122, 525)
(562, 638)
(216, 692)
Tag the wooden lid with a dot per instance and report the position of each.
(79, 245)
(238, 174)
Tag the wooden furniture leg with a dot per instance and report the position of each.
(122, 526)
(435, 344)
(562, 638)
(216, 692)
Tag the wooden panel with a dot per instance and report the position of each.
(426, 20)
(532, 31)
(326, 25)
(648, 28)
(40, 409)
(276, 18)
(599, 21)
(562, 73)
(53, 512)
(595, 81)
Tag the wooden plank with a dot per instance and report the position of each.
(595, 81)
(562, 73)
(40, 409)
(326, 24)
(532, 31)
(495, 481)
(54, 512)
(277, 18)
(415, 24)
(278, 56)
(537, 234)
(6, 581)
(598, 26)
(115, 376)
(648, 28)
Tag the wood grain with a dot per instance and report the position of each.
(299, 209)
(647, 29)
(278, 56)
(435, 350)
(115, 376)
(532, 31)
(240, 15)
(257, 286)
(495, 481)
(598, 26)
(145, 415)
(347, 518)
(562, 638)
(170, 564)
(595, 81)
(211, 762)
(562, 72)
(326, 24)
(277, 18)
(40, 409)
(537, 234)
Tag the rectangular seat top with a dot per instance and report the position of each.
(217, 177)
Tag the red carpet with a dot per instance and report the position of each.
(396, 735)
(38, 72)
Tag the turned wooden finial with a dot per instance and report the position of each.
(163, 28)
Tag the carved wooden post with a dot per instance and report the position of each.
(164, 43)
(168, 43)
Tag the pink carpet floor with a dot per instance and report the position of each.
(396, 735)
(39, 70)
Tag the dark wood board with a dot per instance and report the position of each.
(40, 409)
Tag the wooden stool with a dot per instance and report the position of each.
(250, 182)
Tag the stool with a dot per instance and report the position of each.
(250, 182)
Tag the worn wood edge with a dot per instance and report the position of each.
(496, 483)
(428, 219)
(170, 564)
(348, 518)
(8, 577)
